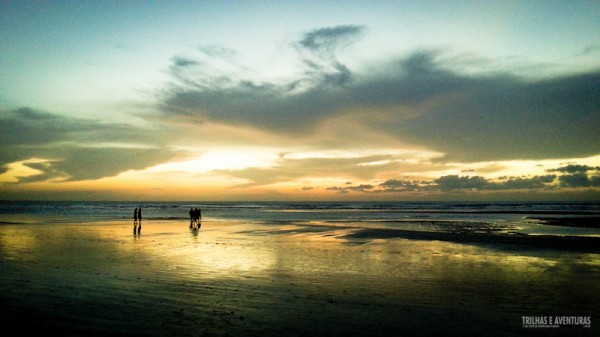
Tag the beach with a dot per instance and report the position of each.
(280, 278)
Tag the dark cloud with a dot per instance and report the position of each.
(179, 61)
(579, 179)
(365, 188)
(318, 49)
(573, 168)
(417, 100)
(278, 108)
(524, 183)
(454, 182)
(263, 107)
(342, 190)
(394, 185)
(326, 40)
(25, 126)
(575, 175)
(496, 117)
(76, 149)
(361, 187)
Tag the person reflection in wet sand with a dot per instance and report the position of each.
(139, 216)
(135, 220)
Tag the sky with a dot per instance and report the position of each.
(300, 100)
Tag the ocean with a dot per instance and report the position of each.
(561, 219)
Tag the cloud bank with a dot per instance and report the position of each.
(417, 99)
(588, 177)
(75, 149)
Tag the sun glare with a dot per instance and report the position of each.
(228, 159)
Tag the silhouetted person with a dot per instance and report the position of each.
(135, 220)
(194, 218)
(139, 216)
(199, 219)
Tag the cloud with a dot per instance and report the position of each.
(341, 190)
(576, 176)
(418, 100)
(573, 168)
(454, 182)
(210, 67)
(361, 187)
(579, 179)
(504, 118)
(591, 49)
(450, 183)
(395, 185)
(287, 169)
(326, 40)
(319, 48)
(218, 51)
(365, 188)
(182, 62)
(535, 182)
(296, 106)
(75, 149)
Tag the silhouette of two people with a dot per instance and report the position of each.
(195, 218)
(137, 221)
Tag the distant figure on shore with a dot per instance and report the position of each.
(139, 216)
(135, 220)
(199, 218)
(195, 218)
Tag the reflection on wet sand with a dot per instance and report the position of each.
(239, 279)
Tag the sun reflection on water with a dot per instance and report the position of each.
(214, 251)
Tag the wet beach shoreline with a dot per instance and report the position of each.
(248, 278)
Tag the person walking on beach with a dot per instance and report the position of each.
(135, 220)
(198, 218)
(139, 216)
(195, 217)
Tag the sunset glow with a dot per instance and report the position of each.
(222, 101)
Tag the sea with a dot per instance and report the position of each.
(526, 218)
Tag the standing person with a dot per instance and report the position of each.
(139, 216)
(135, 220)
(191, 217)
(199, 218)
(196, 218)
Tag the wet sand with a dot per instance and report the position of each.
(513, 240)
(580, 221)
(281, 279)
